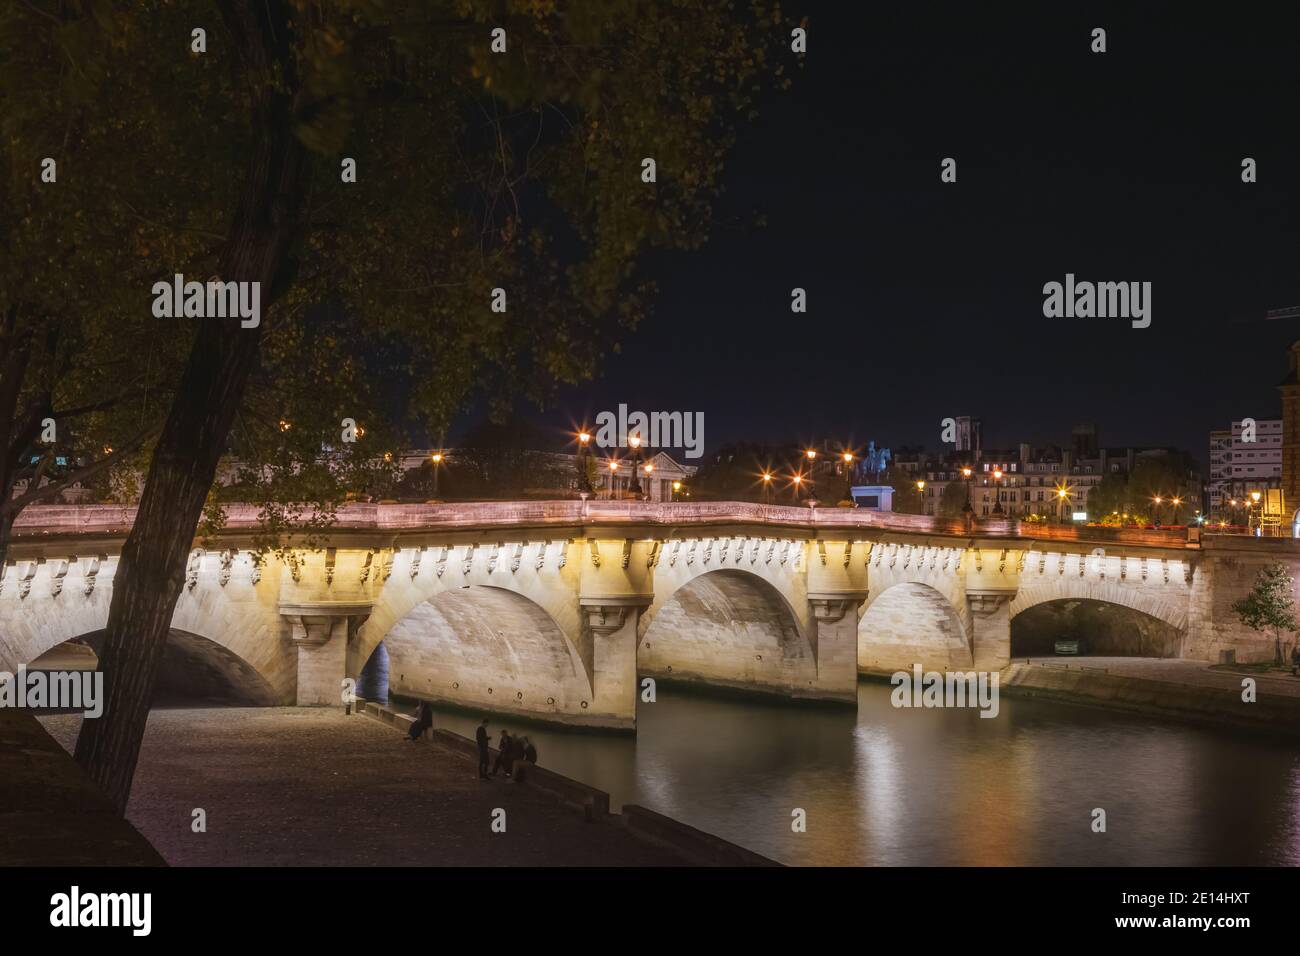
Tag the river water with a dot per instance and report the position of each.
(886, 786)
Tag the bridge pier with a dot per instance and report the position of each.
(611, 624)
(834, 638)
(615, 586)
(991, 629)
(320, 635)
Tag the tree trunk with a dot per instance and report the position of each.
(6, 532)
(152, 566)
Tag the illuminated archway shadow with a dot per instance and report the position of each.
(728, 628)
(1100, 628)
(195, 671)
(487, 648)
(911, 623)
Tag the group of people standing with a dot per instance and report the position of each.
(510, 750)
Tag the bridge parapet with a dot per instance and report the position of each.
(46, 521)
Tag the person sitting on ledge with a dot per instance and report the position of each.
(423, 721)
(505, 753)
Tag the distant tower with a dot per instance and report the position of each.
(1085, 441)
(968, 434)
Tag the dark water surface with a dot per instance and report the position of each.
(890, 786)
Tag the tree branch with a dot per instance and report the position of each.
(15, 505)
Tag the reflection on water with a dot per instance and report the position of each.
(938, 787)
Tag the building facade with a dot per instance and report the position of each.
(1048, 483)
(1243, 458)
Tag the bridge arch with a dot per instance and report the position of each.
(487, 647)
(727, 627)
(1104, 619)
(194, 669)
(912, 623)
(230, 636)
(1168, 607)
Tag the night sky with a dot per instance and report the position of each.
(925, 298)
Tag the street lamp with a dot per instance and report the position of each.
(966, 473)
(634, 486)
(797, 482)
(997, 495)
(1157, 499)
(767, 485)
(677, 486)
(586, 485)
(437, 463)
(920, 497)
(613, 478)
(1177, 503)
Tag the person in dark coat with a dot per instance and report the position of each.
(423, 721)
(516, 755)
(525, 758)
(481, 738)
(505, 753)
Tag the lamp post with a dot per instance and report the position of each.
(796, 484)
(997, 494)
(437, 466)
(1177, 503)
(1062, 497)
(613, 479)
(649, 470)
(634, 486)
(767, 486)
(677, 486)
(1258, 518)
(966, 509)
(584, 462)
(811, 456)
(920, 497)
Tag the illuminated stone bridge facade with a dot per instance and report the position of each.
(556, 610)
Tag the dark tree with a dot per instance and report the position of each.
(477, 171)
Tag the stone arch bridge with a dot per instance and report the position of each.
(554, 610)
